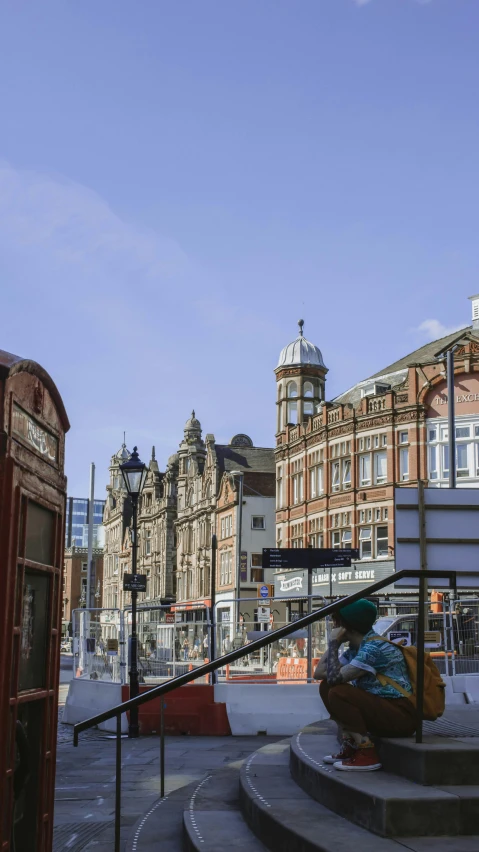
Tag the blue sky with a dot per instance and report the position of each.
(181, 180)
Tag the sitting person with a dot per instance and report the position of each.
(354, 692)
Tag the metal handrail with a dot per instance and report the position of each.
(269, 638)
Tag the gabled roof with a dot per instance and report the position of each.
(395, 374)
(426, 354)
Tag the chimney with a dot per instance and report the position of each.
(475, 312)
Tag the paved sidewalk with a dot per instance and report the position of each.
(85, 781)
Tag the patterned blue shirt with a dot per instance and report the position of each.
(378, 657)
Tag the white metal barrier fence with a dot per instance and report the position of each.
(99, 644)
(170, 644)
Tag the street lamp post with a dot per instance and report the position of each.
(134, 475)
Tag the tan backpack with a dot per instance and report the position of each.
(434, 686)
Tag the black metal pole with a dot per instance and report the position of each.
(118, 784)
(310, 627)
(133, 728)
(451, 418)
(212, 655)
(162, 748)
(421, 621)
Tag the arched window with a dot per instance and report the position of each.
(293, 412)
(280, 391)
(292, 390)
(308, 389)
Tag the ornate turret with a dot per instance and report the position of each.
(300, 377)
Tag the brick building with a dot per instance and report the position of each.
(337, 461)
(75, 581)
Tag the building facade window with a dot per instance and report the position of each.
(226, 567)
(316, 480)
(257, 573)
(365, 543)
(226, 526)
(258, 522)
(467, 450)
(147, 542)
(279, 487)
(377, 464)
(297, 535)
(404, 464)
(292, 391)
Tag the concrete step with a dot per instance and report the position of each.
(286, 819)
(212, 821)
(436, 761)
(383, 803)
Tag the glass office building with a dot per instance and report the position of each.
(77, 518)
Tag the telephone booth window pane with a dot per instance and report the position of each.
(33, 631)
(40, 534)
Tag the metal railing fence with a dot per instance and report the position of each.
(269, 638)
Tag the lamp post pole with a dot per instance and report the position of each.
(133, 728)
(134, 473)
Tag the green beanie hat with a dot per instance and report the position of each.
(359, 615)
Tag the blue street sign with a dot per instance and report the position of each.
(264, 591)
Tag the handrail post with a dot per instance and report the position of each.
(162, 748)
(423, 590)
(118, 784)
(310, 626)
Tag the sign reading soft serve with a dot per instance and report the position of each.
(294, 584)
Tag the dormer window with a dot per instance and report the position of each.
(374, 389)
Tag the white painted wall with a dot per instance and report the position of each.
(253, 541)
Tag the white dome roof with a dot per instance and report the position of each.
(301, 351)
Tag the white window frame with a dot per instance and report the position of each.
(383, 539)
(467, 445)
(380, 478)
(365, 462)
(335, 476)
(365, 539)
(258, 517)
(404, 464)
(346, 474)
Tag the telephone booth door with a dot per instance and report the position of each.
(32, 510)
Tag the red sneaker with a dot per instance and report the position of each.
(363, 760)
(347, 751)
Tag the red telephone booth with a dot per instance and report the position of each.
(32, 508)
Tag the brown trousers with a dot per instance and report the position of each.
(364, 713)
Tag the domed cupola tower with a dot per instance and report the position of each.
(300, 379)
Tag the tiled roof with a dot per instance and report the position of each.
(259, 459)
